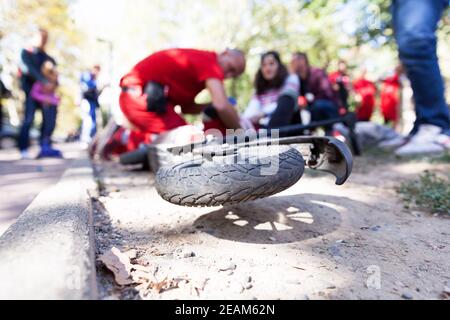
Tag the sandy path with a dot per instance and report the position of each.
(313, 241)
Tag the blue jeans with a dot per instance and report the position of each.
(89, 120)
(415, 23)
(324, 110)
(48, 122)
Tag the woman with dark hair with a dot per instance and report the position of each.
(274, 103)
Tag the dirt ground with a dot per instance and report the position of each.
(315, 240)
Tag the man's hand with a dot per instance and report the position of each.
(226, 111)
(302, 102)
(247, 124)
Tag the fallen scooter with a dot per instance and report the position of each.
(239, 168)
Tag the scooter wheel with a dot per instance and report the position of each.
(223, 181)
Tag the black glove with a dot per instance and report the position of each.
(156, 98)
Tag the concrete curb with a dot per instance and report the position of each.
(49, 252)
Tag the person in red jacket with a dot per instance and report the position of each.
(340, 80)
(390, 97)
(365, 91)
(174, 77)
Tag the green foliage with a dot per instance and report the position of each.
(355, 30)
(20, 19)
(430, 193)
(445, 158)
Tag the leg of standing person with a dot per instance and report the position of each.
(415, 23)
(48, 124)
(86, 122)
(28, 118)
(49, 114)
(93, 115)
(1, 117)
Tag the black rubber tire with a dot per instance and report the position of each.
(138, 156)
(206, 183)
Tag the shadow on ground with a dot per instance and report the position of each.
(275, 220)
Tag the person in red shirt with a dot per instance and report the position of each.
(390, 97)
(172, 77)
(340, 81)
(365, 91)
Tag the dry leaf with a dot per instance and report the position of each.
(119, 264)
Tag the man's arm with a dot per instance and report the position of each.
(226, 111)
(194, 108)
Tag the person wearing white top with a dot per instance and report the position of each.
(274, 103)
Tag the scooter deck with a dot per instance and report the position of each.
(320, 153)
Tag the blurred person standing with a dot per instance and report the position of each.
(31, 63)
(89, 103)
(415, 23)
(45, 95)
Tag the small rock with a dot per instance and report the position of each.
(228, 266)
(407, 296)
(188, 254)
(332, 287)
(334, 251)
(248, 286)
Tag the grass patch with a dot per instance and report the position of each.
(429, 193)
(445, 158)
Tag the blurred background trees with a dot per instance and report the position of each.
(117, 33)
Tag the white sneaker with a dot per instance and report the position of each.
(392, 144)
(444, 140)
(24, 155)
(427, 140)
